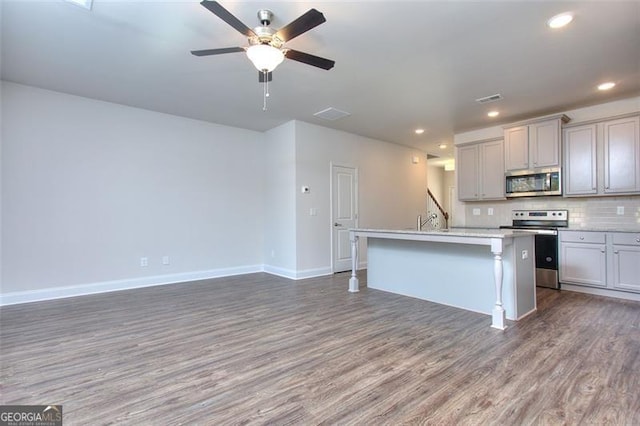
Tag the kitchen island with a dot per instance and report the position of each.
(487, 271)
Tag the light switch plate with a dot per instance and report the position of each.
(476, 212)
(620, 211)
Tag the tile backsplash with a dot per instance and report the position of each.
(593, 212)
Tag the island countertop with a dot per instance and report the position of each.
(452, 235)
(426, 264)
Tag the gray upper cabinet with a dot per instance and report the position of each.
(621, 155)
(602, 158)
(544, 144)
(533, 146)
(516, 148)
(481, 171)
(580, 176)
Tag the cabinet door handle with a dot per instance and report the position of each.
(602, 251)
(582, 238)
(615, 251)
(637, 240)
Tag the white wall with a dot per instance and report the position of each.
(451, 203)
(435, 177)
(89, 187)
(280, 200)
(391, 189)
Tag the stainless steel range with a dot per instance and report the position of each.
(545, 224)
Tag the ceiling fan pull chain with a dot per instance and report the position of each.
(266, 90)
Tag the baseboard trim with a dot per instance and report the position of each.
(281, 272)
(297, 275)
(29, 296)
(601, 292)
(311, 273)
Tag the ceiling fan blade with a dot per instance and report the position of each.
(222, 13)
(306, 58)
(312, 18)
(261, 76)
(208, 52)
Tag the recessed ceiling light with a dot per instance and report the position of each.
(493, 114)
(606, 86)
(442, 146)
(419, 131)
(560, 20)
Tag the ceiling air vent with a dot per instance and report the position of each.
(487, 99)
(331, 114)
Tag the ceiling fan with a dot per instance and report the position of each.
(266, 45)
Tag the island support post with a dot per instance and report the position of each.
(354, 283)
(498, 316)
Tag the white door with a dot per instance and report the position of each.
(344, 214)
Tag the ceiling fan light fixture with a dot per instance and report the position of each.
(265, 57)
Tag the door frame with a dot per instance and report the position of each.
(331, 197)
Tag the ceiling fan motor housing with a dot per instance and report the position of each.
(265, 16)
(266, 35)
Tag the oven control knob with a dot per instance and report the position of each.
(548, 259)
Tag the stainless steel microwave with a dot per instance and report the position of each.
(533, 183)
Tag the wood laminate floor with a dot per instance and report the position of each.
(260, 349)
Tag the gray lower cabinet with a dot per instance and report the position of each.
(606, 260)
(583, 257)
(626, 261)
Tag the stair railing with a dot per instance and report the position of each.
(436, 217)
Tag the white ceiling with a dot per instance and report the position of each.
(399, 64)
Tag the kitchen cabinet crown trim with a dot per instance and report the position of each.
(600, 120)
(563, 118)
(475, 142)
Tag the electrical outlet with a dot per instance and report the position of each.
(313, 211)
(620, 211)
(476, 212)
(490, 211)
(165, 260)
(525, 254)
(144, 262)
